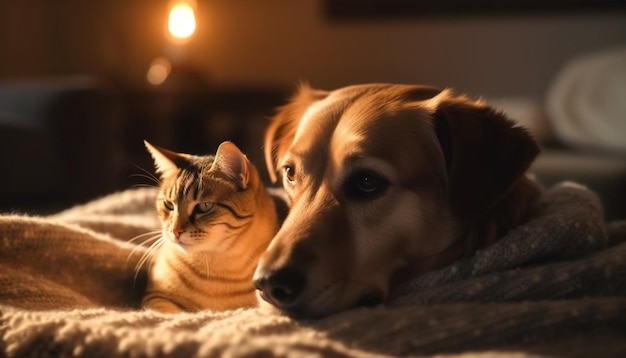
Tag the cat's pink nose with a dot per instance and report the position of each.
(177, 232)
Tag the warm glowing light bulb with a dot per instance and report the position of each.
(159, 70)
(182, 20)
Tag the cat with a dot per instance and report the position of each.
(217, 219)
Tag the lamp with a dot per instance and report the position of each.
(179, 30)
(181, 20)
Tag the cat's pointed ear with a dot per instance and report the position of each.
(166, 161)
(233, 162)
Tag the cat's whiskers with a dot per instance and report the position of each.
(145, 237)
(150, 251)
(147, 175)
(157, 242)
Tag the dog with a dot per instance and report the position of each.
(386, 181)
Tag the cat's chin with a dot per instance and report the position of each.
(189, 248)
(192, 248)
(180, 245)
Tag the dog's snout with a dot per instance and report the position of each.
(282, 287)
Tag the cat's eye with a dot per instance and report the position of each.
(204, 208)
(290, 174)
(168, 205)
(365, 185)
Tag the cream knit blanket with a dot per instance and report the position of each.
(554, 286)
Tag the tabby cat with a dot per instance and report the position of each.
(217, 219)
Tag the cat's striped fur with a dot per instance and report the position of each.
(217, 220)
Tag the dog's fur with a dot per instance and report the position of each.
(386, 181)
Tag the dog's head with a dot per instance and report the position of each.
(384, 180)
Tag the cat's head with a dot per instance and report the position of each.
(203, 200)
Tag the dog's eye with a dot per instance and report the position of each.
(290, 174)
(365, 185)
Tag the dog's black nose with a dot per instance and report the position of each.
(282, 287)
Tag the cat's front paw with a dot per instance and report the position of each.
(161, 305)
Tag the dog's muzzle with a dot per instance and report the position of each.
(282, 287)
(285, 289)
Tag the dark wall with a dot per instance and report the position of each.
(280, 42)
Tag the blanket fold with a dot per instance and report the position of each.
(567, 224)
(70, 286)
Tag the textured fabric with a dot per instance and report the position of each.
(555, 286)
(567, 223)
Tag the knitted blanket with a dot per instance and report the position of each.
(554, 286)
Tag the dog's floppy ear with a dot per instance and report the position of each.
(281, 131)
(485, 154)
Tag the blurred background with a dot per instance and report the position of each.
(82, 83)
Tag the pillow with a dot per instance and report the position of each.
(585, 103)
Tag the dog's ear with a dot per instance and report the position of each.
(485, 154)
(282, 129)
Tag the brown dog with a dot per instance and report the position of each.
(386, 181)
